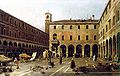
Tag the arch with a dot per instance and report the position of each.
(114, 46)
(26, 45)
(95, 50)
(29, 46)
(10, 43)
(87, 50)
(5, 43)
(63, 48)
(15, 44)
(118, 46)
(32, 46)
(110, 47)
(70, 50)
(19, 45)
(106, 48)
(37, 47)
(23, 45)
(54, 36)
(78, 51)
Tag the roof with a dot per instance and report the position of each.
(89, 20)
(75, 22)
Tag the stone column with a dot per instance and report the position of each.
(108, 49)
(66, 51)
(100, 51)
(90, 51)
(82, 50)
(74, 50)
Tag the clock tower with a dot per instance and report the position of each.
(48, 19)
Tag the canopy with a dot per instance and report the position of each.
(24, 55)
(4, 58)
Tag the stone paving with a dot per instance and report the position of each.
(25, 68)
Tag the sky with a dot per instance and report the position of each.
(33, 11)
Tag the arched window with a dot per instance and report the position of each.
(54, 36)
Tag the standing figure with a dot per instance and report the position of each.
(94, 57)
(72, 64)
(60, 58)
(16, 62)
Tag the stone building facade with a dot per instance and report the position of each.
(76, 37)
(73, 41)
(17, 36)
(109, 31)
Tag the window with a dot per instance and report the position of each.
(110, 4)
(86, 26)
(0, 30)
(94, 37)
(70, 26)
(87, 37)
(4, 32)
(70, 37)
(113, 20)
(79, 27)
(15, 35)
(117, 16)
(62, 37)
(101, 33)
(62, 26)
(10, 33)
(106, 28)
(78, 37)
(109, 24)
(54, 36)
(94, 26)
(54, 27)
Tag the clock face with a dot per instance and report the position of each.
(47, 16)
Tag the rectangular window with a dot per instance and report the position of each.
(95, 37)
(101, 33)
(87, 27)
(117, 16)
(15, 35)
(70, 27)
(0, 30)
(106, 28)
(10, 33)
(78, 37)
(4, 32)
(70, 37)
(94, 26)
(113, 20)
(79, 27)
(54, 27)
(62, 26)
(62, 37)
(87, 37)
(110, 4)
(109, 24)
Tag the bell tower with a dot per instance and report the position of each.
(48, 19)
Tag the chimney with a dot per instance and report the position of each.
(93, 17)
